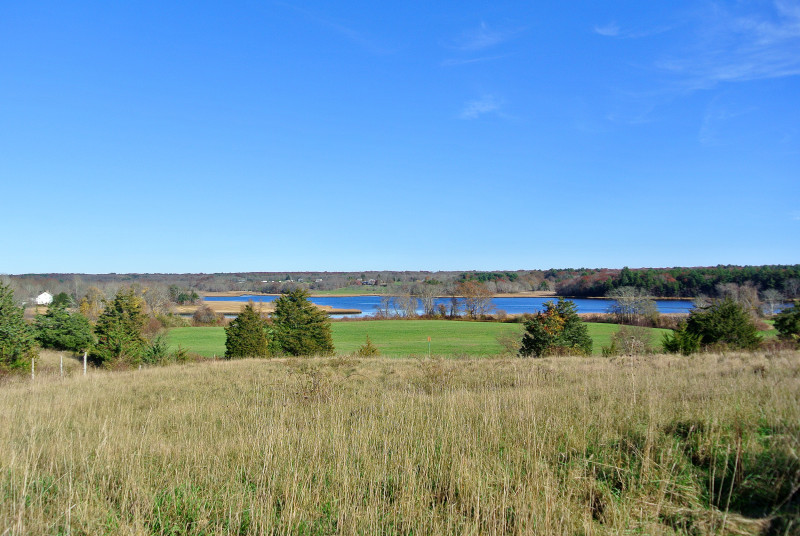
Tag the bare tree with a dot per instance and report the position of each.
(426, 294)
(477, 298)
(384, 307)
(772, 300)
(792, 287)
(632, 306)
(157, 298)
(745, 295)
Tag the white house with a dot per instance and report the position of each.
(45, 298)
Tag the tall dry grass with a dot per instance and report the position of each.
(656, 445)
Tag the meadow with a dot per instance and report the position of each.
(636, 445)
(397, 338)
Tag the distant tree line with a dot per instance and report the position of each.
(680, 282)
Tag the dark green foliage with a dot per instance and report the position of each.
(16, 337)
(247, 335)
(300, 327)
(787, 322)
(681, 341)
(60, 330)
(62, 299)
(724, 322)
(677, 282)
(556, 330)
(119, 330)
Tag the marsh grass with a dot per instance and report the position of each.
(646, 445)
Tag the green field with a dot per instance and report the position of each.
(395, 338)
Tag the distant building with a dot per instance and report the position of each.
(45, 298)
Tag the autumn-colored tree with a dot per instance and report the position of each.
(477, 298)
(556, 330)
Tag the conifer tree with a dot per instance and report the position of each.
(120, 330)
(301, 328)
(16, 337)
(247, 335)
(724, 322)
(61, 330)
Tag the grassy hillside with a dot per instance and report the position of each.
(656, 445)
(398, 338)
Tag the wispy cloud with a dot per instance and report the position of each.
(482, 37)
(609, 30)
(476, 41)
(464, 61)
(340, 28)
(718, 115)
(612, 29)
(474, 109)
(735, 47)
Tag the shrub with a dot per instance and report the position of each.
(556, 330)
(205, 316)
(247, 335)
(60, 330)
(368, 349)
(724, 322)
(629, 340)
(787, 322)
(681, 341)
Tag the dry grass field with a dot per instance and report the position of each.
(648, 445)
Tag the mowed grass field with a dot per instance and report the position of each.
(402, 338)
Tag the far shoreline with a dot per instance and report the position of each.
(524, 294)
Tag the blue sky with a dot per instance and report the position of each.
(259, 136)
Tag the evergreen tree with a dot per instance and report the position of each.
(556, 330)
(247, 335)
(301, 328)
(724, 322)
(681, 341)
(787, 322)
(119, 330)
(62, 299)
(61, 330)
(16, 337)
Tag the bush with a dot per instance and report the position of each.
(60, 330)
(205, 316)
(247, 335)
(787, 322)
(556, 330)
(629, 340)
(368, 349)
(724, 322)
(171, 320)
(681, 341)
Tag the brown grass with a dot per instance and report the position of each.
(655, 445)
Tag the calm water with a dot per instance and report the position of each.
(368, 305)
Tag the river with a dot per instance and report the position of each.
(369, 305)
